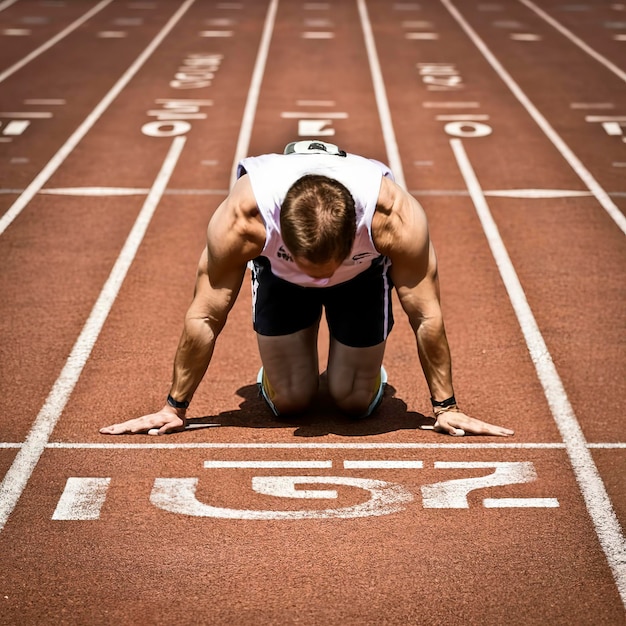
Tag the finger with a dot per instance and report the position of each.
(449, 430)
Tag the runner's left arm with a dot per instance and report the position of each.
(401, 232)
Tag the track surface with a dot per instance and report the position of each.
(120, 123)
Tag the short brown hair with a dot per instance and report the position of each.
(318, 219)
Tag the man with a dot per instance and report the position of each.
(320, 229)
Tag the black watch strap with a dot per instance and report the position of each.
(176, 404)
(444, 404)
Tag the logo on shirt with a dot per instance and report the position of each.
(361, 256)
(284, 255)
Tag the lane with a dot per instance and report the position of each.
(599, 29)
(22, 62)
(89, 60)
(474, 127)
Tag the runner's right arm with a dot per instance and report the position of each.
(234, 236)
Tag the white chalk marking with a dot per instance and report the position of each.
(57, 160)
(537, 193)
(45, 101)
(178, 495)
(525, 37)
(520, 503)
(451, 105)
(95, 191)
(575, 40)
(297, 115)
(374, 464)
(6, 4)
(416, 24)
(589, 481)
(421, 36)
(462, 118)
(23, 465)
(216, 33)
(384, 113)
(592, 105)
(27, 115)
(315, 103)
(112, 34)
(452, 494)
(318, 23)
(16, 32)
(302, 446)
(54, 40)
(245, 130)
(268, 464)
(16, 127)
(576, 164)
(82, 499)
(312, 34)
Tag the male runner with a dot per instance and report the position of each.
(320, 229)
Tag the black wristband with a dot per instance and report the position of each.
(444, 404)
(176, 404)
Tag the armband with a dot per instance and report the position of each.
(443, 404)
(176, 404)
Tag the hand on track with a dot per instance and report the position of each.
(167, 420)
(456, 423)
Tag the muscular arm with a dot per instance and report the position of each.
(234, 236)
(400, 231)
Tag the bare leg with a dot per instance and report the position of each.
(354, 376)
(291, 369)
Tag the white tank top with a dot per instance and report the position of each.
(271, 176)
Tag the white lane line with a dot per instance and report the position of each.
(575, 40)
(57, 160)
(35, 443)
(302, 446)
(589, 481)
(384, 113)
(375, 464)
(268, 464)
(54, 40)
(583, 173)
(6, 4)
(245, 131)
(82, 498)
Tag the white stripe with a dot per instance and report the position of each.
(393, 154)
(243, 142)
(57, 160)
(54, 40)
(521, 503)
(591, 485)
(386, 290)
(583, 173)
(82, 499)
(27, 458)
(383, 464)
(575, 40)
(59, 445)
(268, 464)
(6, 4)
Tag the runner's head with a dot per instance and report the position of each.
(318, 220)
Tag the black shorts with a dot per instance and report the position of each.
(359, 311)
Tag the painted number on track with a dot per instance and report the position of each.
(83, 498)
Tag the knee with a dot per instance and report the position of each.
(354, 402)
(291, 404)
(292, 400)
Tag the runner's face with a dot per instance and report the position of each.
(317, 270)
